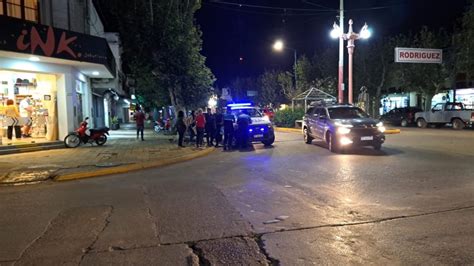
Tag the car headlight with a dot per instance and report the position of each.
(381, 127)
(343, 130)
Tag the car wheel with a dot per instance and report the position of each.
(421, 123)
(378, 146)
(332, 143)
(307, 138)
(269, 142)
(404, 123)
(458, 124)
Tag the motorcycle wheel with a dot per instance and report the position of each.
(101, 140)
(72, 140)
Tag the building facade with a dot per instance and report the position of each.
(51, 53)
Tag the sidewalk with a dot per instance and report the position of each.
(122, 153)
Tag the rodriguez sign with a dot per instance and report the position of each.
(418, 55)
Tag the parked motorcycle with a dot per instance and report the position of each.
(81, 135)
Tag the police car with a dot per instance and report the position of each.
(261, 128)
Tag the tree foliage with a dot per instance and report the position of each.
(162, 46)
(463, 44)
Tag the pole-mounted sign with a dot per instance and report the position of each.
(418, 55)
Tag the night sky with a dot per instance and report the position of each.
(230, 32)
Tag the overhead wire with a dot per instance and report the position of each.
(296, 11)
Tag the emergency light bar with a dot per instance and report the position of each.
(239, 104)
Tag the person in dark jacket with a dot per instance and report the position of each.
(243, 122)
(210, 127)
(181, 128)
(229, 120)
(219, 117)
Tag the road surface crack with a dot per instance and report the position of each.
(261, 245)
(199, 254)
(39, 237)
(106, 224)
(387, 219)
(149, 213)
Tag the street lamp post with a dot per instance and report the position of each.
(350, 36)
(280, 46)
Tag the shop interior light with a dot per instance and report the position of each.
(126, 101)
(95, 73)
(34, 59)
(133, 97)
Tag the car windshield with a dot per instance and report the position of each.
(252, 112)
(346, 113)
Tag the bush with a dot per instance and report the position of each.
(287, 117)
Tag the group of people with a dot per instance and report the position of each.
(216, 127)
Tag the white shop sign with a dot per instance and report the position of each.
(418, 55)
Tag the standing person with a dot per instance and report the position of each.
(200, 127)
(140, 121)
(26, 110)
(210, 127)
(12, 111)
(191, 122)
(181, 128)
(219, 117)
(229, 120)
(243, 122)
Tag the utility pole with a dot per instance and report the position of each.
(340, 84)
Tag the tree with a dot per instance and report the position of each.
(162, 46)
(373, 63)
(463, 44)
(270, 91)
(240, 86)
(285, 79)
(428, 79)
(318, 72)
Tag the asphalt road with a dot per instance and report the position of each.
(411, 203)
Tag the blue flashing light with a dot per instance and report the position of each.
(239, 104)
(262, 129)
(250, 130)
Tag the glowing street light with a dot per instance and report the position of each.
(350, 37)
(278, 46)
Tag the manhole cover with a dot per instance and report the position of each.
(108, 164)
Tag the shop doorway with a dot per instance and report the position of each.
(34, 96)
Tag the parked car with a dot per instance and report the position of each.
(342, 126)
(446, 113)
(401, 116)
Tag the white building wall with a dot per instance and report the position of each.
(95, 25)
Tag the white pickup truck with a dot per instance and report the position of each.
(446, 113)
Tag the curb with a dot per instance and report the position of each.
(132, 167)
(392, 131)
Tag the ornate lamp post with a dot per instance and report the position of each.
(350, 37)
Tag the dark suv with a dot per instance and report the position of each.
(401, 116)
(342, 126)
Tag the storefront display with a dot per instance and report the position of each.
(35, 97)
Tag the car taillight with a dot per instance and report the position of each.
(472, 116)
(410, 115)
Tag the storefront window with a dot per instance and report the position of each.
(22, 9)
(35, 98)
